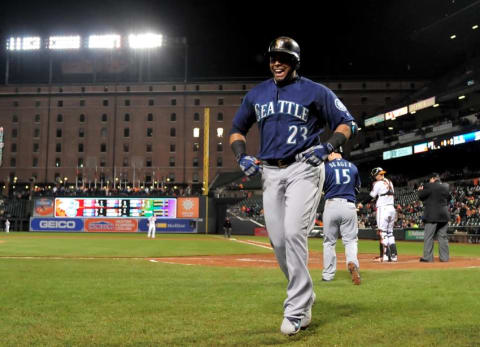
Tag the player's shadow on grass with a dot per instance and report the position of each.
(322, 313)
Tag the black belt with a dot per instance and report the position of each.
(341, 200)
(280, 162)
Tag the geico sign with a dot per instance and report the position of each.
(57, 224)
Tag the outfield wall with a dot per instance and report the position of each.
(118, 214)
(111, 225)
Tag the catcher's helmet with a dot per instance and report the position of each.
(377, 171)
(287, 45)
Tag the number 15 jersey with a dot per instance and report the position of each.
(341, 180)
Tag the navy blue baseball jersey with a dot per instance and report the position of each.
(290, 117)
(341, 178)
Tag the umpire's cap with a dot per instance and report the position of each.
(287, 45)
(434, 175)
(377, 171)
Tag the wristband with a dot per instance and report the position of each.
(239, 149)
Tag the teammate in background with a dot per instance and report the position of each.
(151, 226)
(435, 196)
(227, 227)
(291, 112)
(7, 226)
(342, 183)
(386, 213)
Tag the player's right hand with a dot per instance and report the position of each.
(249, 165)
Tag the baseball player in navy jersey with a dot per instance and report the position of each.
(383, 191)
(342, 183)
(291, 113)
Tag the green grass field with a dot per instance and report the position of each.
(115, 297)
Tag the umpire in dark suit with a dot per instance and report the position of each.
(435, 196)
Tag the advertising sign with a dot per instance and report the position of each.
(414, 234)
(106, 225)
(396, 113)
(374, 120)
(421, 104)
(397, 153)
(43, 207)
(170, 225)
(56, 224)
(187, 208)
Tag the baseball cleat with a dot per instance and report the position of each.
(354, 272)
(290, 326)
(394, 259)
(307, 318)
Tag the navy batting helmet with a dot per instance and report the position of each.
(287, 45)
(338, 150)
(377, 171)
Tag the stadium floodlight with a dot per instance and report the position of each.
(64, 42)
(461, 97)
(23, 43)
(453, 37)
(104, 41)
(142, 41)
(475, 27)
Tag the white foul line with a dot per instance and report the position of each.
(253, 244)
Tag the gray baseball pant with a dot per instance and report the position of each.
(339, 218)
(290, 200)
(440, 229)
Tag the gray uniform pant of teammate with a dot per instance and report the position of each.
(440, 229)
(339, 218)
(290, 200)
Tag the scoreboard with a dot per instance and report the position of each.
(116, 207)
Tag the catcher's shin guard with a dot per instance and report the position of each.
(393, 250)
(387, 256)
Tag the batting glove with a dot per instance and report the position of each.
(249, 165)
(317, 154)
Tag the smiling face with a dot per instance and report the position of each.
(281, 67)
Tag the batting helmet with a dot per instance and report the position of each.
(287, 45)
(377, 171)
(338, 150)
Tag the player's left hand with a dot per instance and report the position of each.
(317, 154)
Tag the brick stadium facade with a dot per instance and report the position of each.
(139, 133)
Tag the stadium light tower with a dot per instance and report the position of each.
(104, 41)
(64, 42)
(145, 41)
(23, 43)
(27, 43)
